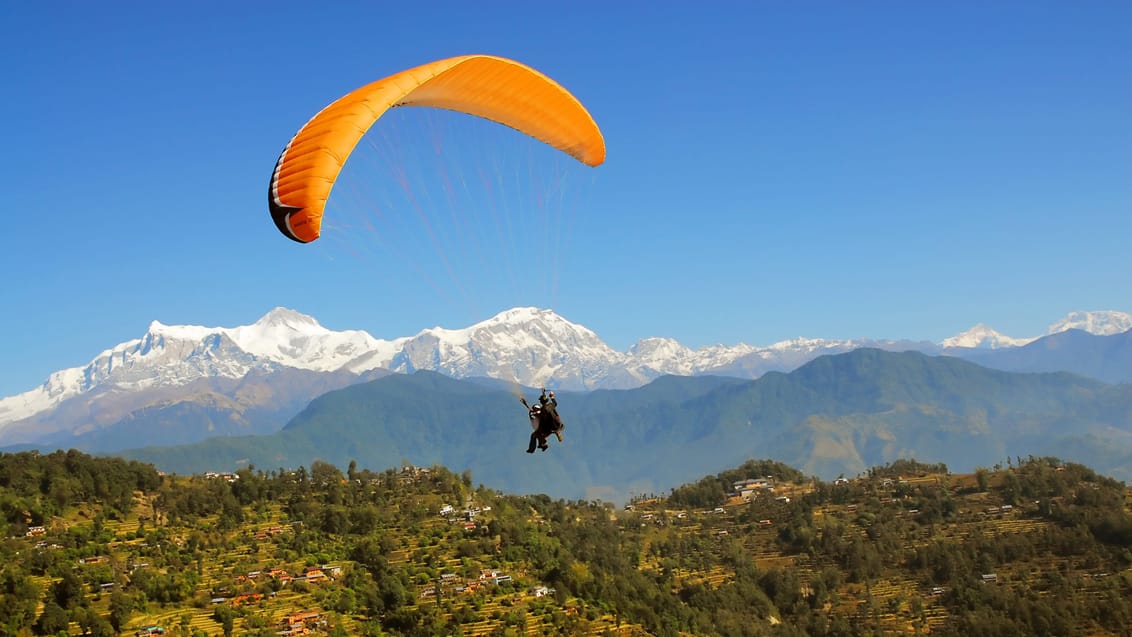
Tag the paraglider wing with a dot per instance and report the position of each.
(491, 87)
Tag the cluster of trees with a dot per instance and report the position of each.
(711, 491)
(35, 487)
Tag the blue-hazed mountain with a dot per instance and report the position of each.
(256, 403)
(1106, 357)
(836, 414)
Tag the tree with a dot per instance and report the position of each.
(227, 618)
(52, 620)
(981, 477)
(19, 593)
(93, 623)
(68, 591)
(121, 605)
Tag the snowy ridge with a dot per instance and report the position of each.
(983, 337)
(176, 355)
(1100, 323)
(531, 346)
(1105, 323)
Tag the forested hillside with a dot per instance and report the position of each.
(104, 546)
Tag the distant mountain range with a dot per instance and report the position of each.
(184, 383)
(837, 414)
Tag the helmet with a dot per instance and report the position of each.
(537, 407)
(552, 393)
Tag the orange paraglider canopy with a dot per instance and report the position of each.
(494, 88)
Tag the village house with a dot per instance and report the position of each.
(470, 587)
(301, 623)
(746, 488)
(228, 477)
(246, 598)
(303, 617)
(314, 575)
(270, 532)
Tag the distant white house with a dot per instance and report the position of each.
(748, 488)
(446, 509)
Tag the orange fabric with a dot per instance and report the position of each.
(494, 88)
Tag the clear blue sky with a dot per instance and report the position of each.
(775, 169)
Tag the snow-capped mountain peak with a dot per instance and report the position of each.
(1101, 323)
(183, 332)
(282, 317)
(176, 355)
(982, 336)
(655, 346)
(531, 345)
(294, 339)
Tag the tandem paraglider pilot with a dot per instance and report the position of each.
(544, 420)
